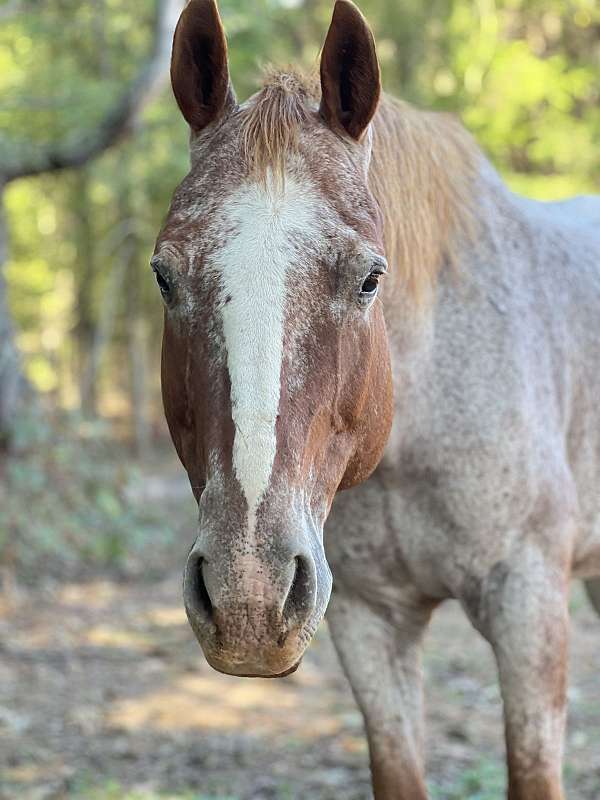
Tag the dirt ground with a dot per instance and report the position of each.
(104, 694)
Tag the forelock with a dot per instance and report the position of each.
(272, 120)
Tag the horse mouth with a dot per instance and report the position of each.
(265, 665)
(255, 674)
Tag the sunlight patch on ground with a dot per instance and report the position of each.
(203, 702)
(108, 636)
(168, 615)
(25, 773)
(195, 701)
(97, 594)
(174, 710)
(353, 744)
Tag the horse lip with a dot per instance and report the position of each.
(283, 674)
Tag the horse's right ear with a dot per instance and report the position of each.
(199, 72)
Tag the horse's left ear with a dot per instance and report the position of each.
(350, 82)
(199, 71)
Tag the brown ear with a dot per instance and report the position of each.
(350, 83)
(199, 73)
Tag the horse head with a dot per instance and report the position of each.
(275, 366)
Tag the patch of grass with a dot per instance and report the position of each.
(485, 781)
(285, 792)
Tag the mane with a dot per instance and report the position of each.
(422, 172)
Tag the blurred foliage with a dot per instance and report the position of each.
(68, 498)
(523, 74)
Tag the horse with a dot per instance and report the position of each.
(366, 331)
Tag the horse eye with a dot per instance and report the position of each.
(370, 283)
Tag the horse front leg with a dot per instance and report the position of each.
(523, 612)
(380, 653)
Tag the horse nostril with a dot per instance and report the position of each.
(300, 599)
(197, 597)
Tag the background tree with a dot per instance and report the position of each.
(54, 145)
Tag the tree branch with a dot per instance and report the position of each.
(119, 120)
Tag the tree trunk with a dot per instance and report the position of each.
(12, 381)
(136, 328)
(85, 323)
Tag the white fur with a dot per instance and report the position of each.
(266, 224)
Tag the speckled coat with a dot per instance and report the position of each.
(489, 488)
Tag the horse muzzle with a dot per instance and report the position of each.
(253, 617)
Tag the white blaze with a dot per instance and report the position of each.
(253, 266)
